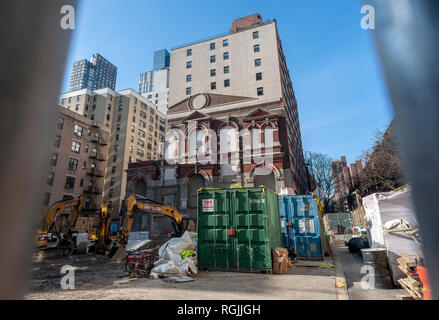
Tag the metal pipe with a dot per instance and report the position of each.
(406, 34)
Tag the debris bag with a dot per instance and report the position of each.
(170, 261)
(179, 278)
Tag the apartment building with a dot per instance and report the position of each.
(78, 162)
(154, 84)
(95, 73)
(346, 179)
(234, 75)
(136, 129)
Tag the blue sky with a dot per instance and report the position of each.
(336, 75)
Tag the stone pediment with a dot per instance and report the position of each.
(205, 101)
(196, 115)
(259, 113)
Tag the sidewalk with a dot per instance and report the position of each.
(351, 264)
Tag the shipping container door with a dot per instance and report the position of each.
(306, 228)
(251, 241)
(286, 217)
(215, 247)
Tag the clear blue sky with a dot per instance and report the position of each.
(336, 75)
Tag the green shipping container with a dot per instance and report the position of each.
(238, 229)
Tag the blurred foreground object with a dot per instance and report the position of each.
(406, 34)
(34, 49)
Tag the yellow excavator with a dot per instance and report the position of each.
(133, 206)
(49, 240)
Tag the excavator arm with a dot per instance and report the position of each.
(52, 213)
(133, 204)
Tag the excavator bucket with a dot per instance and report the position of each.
(118, 254)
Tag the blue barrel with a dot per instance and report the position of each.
(300, 226)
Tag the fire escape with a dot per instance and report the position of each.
(93, 190)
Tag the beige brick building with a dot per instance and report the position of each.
(136, 128)
(77, 161)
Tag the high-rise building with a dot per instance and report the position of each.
(346, 179)
(154, 84)
(136, 130)
(161, 59)
(224, 87)
(93, 74)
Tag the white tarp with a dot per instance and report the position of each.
(383, 210)
(170, 261)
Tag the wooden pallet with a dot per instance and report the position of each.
(415, 292)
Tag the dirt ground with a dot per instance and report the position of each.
(96, 277)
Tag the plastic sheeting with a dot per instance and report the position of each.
(382, 209)
(170, 262)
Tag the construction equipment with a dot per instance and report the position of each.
(53, 242)
(103, 231)
(132, 205)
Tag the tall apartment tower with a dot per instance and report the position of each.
(93, 74)
(136, 128)
(345, 178)
(241, 80)
(154, 84)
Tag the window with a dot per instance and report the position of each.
(260, 91)
(70, 183)
(149, 146)
(150, 128)
(54, 159)
(57, 142)
(86, 107)
(60, 123)
(63, 100)
(156, 102)
(256, 48)
(93, 108)
(141, 143)
(226, 69)
(78, 130)
(112, 181)
(149, 96)
(188, 78)
(259, 76)
(212, 85)
(120, 107)
(50, 177)
(212, 58)
(119, 117)
(213, 72)
(255, 34)
(142, 124)
(77, 107)
(86, 148)
(140, 152)
(113, 169)
(141, 133)
(188, 91)
(70, 99)
(81, 183)
(46, 199)
(110, 193)
(73, 164)
(212, 46)
(84, 164)
(115, 158)
(92, 117)
(188, 65)
(116, 147)
(227, 83)
(257, 62)
(226, 55)
(132, 138)
(188, 52)
(225, 42)
(76, 147)
(118, 127)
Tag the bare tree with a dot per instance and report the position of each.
(383, 170)
(319, 166)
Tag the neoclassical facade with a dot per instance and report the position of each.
(208, 147)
